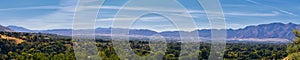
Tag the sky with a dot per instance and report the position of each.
(58, 14)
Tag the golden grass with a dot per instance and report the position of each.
(17, 40)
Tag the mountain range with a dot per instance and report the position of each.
(262, 31)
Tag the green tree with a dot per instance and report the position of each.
(293, 48)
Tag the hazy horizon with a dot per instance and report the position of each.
(155, 30)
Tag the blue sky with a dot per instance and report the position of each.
(57, 14)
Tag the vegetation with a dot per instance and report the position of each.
(38, 46)
(294, 48)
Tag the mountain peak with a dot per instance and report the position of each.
(290, 23)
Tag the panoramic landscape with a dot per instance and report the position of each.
(46, 30)
(261, 42)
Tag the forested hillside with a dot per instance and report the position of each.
(34, 46)
(39, 46)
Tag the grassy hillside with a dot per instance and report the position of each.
(16, 40)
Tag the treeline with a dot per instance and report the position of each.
(38, 46)
(240, 51)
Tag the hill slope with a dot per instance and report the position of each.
(16, 40)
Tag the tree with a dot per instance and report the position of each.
(293, 48)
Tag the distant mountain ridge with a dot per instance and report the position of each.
(262, 31)
(273, 30)
(2, 28)
(19, 29)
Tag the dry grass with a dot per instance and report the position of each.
(17, 40)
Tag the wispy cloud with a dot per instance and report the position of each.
(277, 9)
(147, 19)
(32, 8)
(283, 11)
(253, 2)
(62, 18)
(274, 13)
(172, 11)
